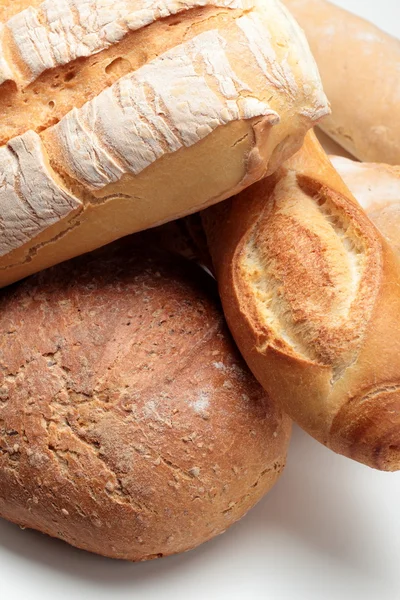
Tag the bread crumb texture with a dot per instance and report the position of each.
(322, 320)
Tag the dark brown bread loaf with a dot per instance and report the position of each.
(129, 424)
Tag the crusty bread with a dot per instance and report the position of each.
(115, 117)
(311, 292)
(360, 66)
(129, 424)
(377, 188)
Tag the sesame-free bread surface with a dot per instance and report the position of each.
(118, 116)
(130, 426)
(311, 292)
(359, 65)
(376, 187)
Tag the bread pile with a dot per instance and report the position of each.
(130, 423)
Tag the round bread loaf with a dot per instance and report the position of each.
(129, 424)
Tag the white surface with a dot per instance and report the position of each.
(330, 529)
(383, 13)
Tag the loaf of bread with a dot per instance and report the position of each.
(377, 188)
(129, 424)
(118, 116)
(311, 292)
(360, 70)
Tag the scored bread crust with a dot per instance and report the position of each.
(359, 65)
(57, 32)
(130, 425)
(377, 188)
(310, 290)
(166, 109)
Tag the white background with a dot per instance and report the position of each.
(329, 530)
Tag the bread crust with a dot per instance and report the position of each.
(166, 109)
(310, 291)
(359, 66)
(377, 188)
(129, 424)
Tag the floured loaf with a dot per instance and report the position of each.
(117, 116)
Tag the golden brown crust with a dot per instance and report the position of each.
(368, 426)
(168, 108)
(311, 294)
(9, 8)
(57, 91)
(359, 66)
(129, 424)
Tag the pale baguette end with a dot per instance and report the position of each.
(359, 65)
(376, 187)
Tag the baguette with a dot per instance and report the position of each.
(116, 117)
(311, 293)
(130, 426)
(377, 189)
(360, 66)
